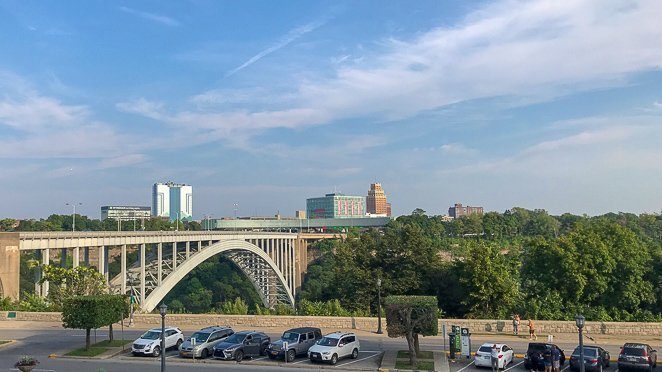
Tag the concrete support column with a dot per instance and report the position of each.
(63, 257)
(294, 265)
(86, 256)
(76, 257)
(159, 259)
(106, 262)
(210, 243)
(100, 263)
(199, 245)
(123, 268)
(174, 255)
(142, 275)
(188, 250)
(45, 260)
(37, 273)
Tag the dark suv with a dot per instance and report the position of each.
(299, 340)
(534, 358)
(242, 344)
(595, 359)
(639, 356)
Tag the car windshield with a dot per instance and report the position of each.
(487, 349)
(588, 352)
(537, 347)
(328, 341)
(200, 337)
(151, 335)
(290, 337)
(638, 351)
(235, 338)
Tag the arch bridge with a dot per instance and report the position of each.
(274, 262)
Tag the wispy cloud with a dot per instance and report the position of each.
(283, 42)
(151, 16)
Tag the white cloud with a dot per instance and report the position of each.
(456, 149)
(520, 49)
(291, 36)
(151, 16)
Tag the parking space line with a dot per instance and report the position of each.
(256, 359)
(358, 360)
(508, 369)
(467, 366)
(301, 361)
(566, 367)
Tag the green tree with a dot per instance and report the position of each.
(67, 283)
(88, 312)
(409, 317)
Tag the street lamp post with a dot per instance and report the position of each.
(163, 309)
(73, 216)
(379, 306)
(579, 320)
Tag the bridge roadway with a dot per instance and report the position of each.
(275, 262)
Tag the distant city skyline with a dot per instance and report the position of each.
(498, 103)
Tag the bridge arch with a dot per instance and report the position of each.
(256, 264)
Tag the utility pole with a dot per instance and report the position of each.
(73, 216)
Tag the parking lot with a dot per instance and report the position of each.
(367, 359)
(467, 365)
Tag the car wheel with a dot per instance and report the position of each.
(291, 355)
(239, 356)
(334, 359)
(204, 354)
(179, 343)
(272, 357)
(355, 353)
(157, 351)
(263, 350)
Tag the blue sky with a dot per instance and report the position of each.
(538, 104)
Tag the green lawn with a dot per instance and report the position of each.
(423, 365)
(404, 354)
(94, 351)
(3, 342)
(114, 343)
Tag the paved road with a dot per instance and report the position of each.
(464, 365)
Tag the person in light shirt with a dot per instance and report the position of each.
(495, 358)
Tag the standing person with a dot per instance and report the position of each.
(547, 359)
(516, 324)
(495, 358)
(556, 359)
(532, 330)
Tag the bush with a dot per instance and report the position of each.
(236, 307)
(87, 312)
(7, 304)
(34, 302)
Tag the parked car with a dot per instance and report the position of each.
(533, 360)
(299, 340)
(205, 340)
(150, 342)
(335, 346)
(242, 344)
(483, 357)
(637, 356)
(595, 358)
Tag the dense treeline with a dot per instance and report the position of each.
(528, 262)
(64, 222)
(491, 266)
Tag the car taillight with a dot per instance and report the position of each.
(593, 360)
(500, 356)
(645, 352)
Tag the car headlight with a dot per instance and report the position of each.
(326, 353)
(231, 349)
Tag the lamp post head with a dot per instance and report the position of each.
(579, 320)
(379, 282)
(163, 309)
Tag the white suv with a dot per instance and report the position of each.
(150, 342)
(335, 346)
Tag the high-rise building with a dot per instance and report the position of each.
(172, 200)
(335, 206)
(458, 210)
(376, 203)
(125, 212)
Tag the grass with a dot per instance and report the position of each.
(422, 365)
(3, 342)
(404, 354)
(94, 351)
(114, 343)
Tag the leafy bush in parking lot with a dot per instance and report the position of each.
(87, 312)
(410, 316)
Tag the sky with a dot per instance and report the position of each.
(537, 104)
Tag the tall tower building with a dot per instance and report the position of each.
(172, 200)
(376, 201)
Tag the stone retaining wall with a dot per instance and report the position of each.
(366, 324)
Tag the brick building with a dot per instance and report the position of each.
(458, 210)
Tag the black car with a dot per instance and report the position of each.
(595, 358)
(534, 358)
(242, 344)
(637, 356)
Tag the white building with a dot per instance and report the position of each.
(172, 200)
